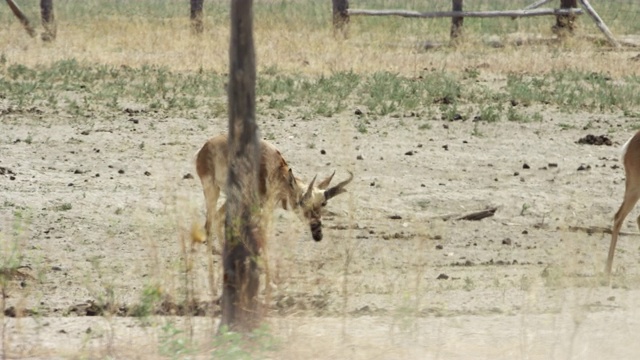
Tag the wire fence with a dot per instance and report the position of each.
(620, 15)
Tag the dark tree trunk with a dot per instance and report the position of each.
(22, 17)
(243, 235)
(340, 17)
(48, 20)
(456, 22)
(197, 16)
(565, 24)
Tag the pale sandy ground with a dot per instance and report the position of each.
(523, 284)
(565, 335)
(550, 304)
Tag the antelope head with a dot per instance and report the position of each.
(315, 197)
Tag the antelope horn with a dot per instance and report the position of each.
(338, 189)
(326, 182)
(307, 194)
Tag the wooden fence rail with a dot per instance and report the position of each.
(463, 14)
(565, 16)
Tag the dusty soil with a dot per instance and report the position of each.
(99, 210)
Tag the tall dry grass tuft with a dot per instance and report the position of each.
(298, 42)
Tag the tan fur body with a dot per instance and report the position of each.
(277, 185)
(631, 161)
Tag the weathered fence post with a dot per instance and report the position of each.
(22, 17)
(196, 16)
(340, 17)
(243, 235)
(456, 23)
(48, 20)
(601, 25)
(565, 24)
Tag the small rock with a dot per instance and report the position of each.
(359, 157)
(506, 241)
(146, 173)
(121, 171)
(445, 147)
(323, 152)
(395, 217)
(409, 153)
(525, 232)
(187, 176)
(133, 120)
(358, 112)
(516, 173)
(439, 247)
(553, 165)
(56, 268)
(85, 132)
(373, 183)
(526, 166)
(583, 167)
(442, 277)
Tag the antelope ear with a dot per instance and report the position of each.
(325, 183)
(292, 179)
(309, 192)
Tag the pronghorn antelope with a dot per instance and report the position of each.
(276, 185)
(631, 161)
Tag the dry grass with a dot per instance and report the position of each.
(291, 45)
(368, 291)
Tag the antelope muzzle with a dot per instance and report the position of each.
(316, 229)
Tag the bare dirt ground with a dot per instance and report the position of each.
(99, 210)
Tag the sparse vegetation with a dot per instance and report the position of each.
(427, 133)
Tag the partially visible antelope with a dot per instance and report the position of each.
(277, 185)
(631, 161)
